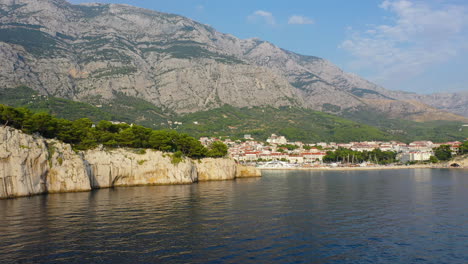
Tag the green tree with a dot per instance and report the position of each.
(348, 155)
(443, 152)
(433, 159)
(330, 157)
(13, 117)
(464, 148)
(190, 147)
(41, 123)
(82, 134)
(141, 136)
(217, 149)
(288, 146)
(126, 138)
(65, 131)
(163, 140)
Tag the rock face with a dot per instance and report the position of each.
(216, 169)
(67, 170)
(125, 168)
(452, 102)
(247, 172)
(460, 161)
(23, 164)
(33, 165)
(93, 52)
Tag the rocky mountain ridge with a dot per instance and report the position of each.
(91, 52)
(451, 102)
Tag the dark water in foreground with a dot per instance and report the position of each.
(393, 216)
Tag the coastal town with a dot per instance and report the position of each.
(278, 151)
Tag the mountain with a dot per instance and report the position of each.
(101, 53)
(451, 102)
(90, 52)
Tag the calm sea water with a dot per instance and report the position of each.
(392, 216)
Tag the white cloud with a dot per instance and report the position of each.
(264, 16)
(300, 20)
(421, 36)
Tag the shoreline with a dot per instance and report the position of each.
(364, 168)
(31, 165)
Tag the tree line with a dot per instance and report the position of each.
(351, 156)
(444, 152)
(83, 134)
(441, 153)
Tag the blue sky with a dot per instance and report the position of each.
(410, 45)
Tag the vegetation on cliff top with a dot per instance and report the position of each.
(83, 134)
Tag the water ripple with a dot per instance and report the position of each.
(401, 216)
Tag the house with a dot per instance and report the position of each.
(313, 156)
(421, 146)
(414, 156)
(274, 139)
(252, 156)
(248, 137)
(296, 159)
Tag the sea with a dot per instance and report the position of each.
(372, 216)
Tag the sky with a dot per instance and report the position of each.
(412, 45)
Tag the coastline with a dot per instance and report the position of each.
(364, 168)
(32, 165)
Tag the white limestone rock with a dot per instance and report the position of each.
(67, 172)
(23, 164)
(123, 167)
(210, 169)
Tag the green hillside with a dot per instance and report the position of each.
(123, 108)
(405, 130)
(294, 123)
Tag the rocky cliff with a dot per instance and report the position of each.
(461, 161)
(33, 165)
(93, 52)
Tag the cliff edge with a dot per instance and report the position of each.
(32, 165)
(459, 162)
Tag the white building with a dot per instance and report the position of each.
(248, 137)
(414, 156)
(313, 156)
(274, 139)
(296, 159)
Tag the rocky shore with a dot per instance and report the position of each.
(32, 165)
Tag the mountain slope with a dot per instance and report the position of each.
(294, 123)
(90, 53)
(452, 102)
